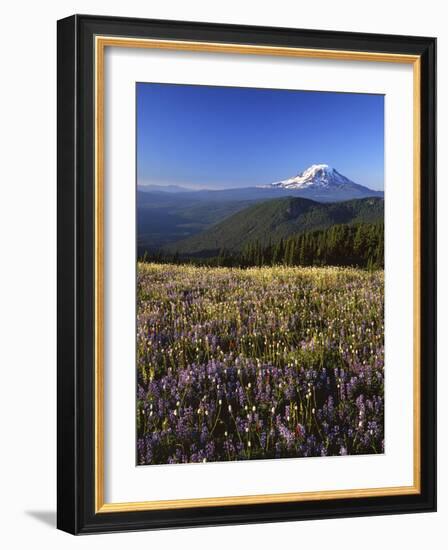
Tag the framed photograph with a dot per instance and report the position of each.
(246, 274)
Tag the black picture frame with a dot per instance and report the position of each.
(76, 255)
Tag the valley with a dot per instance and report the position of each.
(205, 219)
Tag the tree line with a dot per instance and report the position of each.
(359, 245)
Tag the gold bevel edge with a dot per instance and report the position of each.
(99, 276)
(100, 43)
(222, 47)
(255, 499)
(417, 270)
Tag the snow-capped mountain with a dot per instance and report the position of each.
(318, 176)
(324, 183)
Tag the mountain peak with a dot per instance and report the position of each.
(320, 176)
(322, 167)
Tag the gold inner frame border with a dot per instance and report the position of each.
(100, 44)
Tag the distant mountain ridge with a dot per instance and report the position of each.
(271, 220)
(157, 188)
(319, 182)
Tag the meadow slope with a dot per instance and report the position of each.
(267, 362)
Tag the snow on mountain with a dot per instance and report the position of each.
(317, 176)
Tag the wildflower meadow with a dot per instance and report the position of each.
(265, 362)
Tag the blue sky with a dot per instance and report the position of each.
(220, 137)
